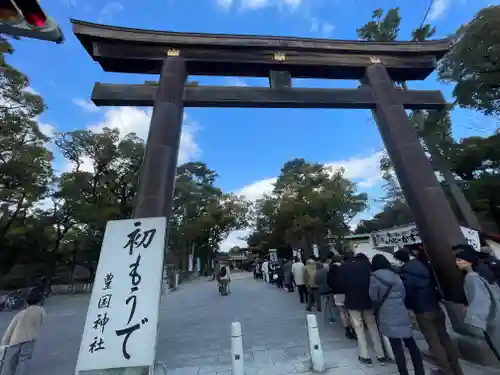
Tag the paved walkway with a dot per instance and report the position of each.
(274, 334)
(195, 333)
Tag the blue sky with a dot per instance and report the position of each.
(247, 147)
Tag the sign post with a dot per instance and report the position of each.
(122, 319)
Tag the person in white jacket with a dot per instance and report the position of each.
(298, 278)
(20, 337)
(265, 271)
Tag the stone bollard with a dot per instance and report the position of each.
(237, 349)
(315, 350)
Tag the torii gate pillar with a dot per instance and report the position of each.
(433, 215)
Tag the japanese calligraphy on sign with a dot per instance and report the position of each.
(409, 235)
(121, 325)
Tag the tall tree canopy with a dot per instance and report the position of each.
(309, 201)
(473, 63)
(52, 224)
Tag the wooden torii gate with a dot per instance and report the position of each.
(174, 56)
(378, 65)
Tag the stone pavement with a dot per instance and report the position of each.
(195, 333)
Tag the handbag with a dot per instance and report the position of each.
(377, 305)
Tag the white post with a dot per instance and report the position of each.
(237, 349)
(159, 369)
(176, 285)
(315, 350)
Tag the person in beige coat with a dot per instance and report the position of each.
(312, 289)
(20, 337)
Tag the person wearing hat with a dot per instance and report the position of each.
(483, 299)
(481, 266)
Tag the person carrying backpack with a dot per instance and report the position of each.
(224, 279)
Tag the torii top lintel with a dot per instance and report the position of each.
(128, 50)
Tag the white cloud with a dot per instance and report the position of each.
(234, 239)
(235, 81)
(438, 9)
(254, 4)
(86, 105)
(47, 129)
(257, 189)
(258, 4)
(292, 3)
(226, 4)
(364, 170)
(326, 29)
(136, 120)
(31, 90)
(109, 11)
(323, 28)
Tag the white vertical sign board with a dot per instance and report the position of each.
(315, 250)
(122, 318)
(190, 263)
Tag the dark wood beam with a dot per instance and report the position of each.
(141, 58)
(105, 94)
(88, 32)
(128, 50)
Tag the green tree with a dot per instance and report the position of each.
(51, 224)
(25, 162)
(25, 172)
(473, 62)
(203, 215)
(393, 214)
(309, 200)
(380, 28)
(477, 161)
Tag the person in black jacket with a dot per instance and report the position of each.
(337, 288)
(423, 299)
(356, 276)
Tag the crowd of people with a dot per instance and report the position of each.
(388, 299)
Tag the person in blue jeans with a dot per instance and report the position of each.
(330, 312)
